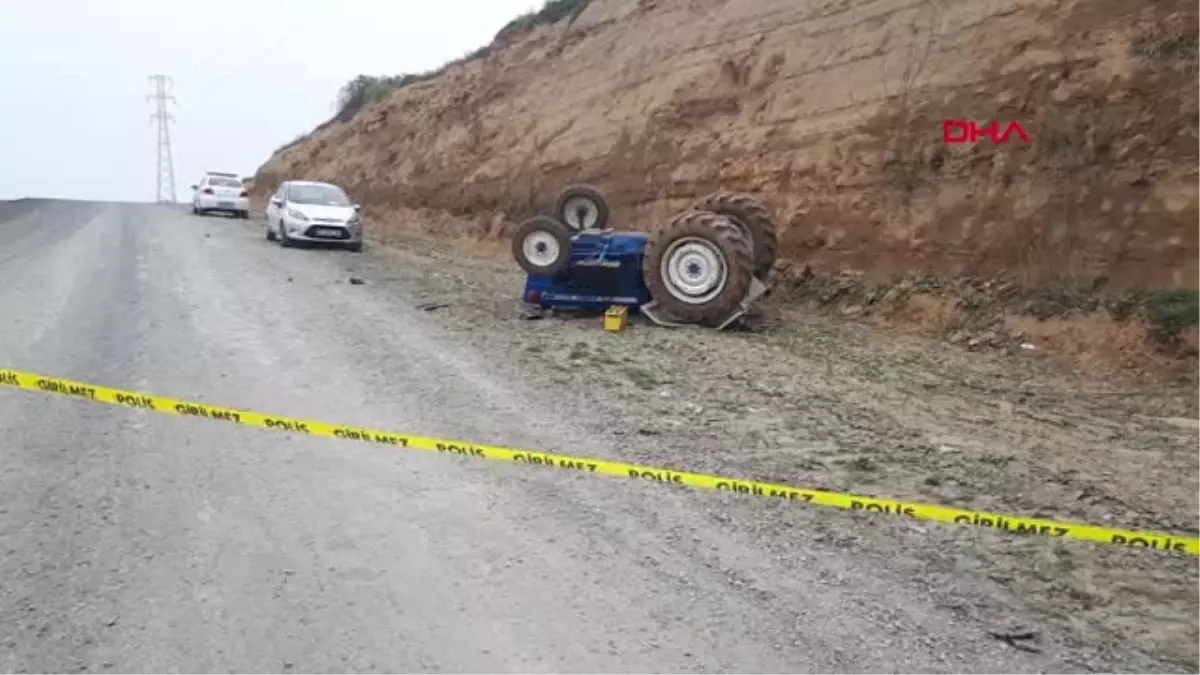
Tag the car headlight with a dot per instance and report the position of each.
(293, 213)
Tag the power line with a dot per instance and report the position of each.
(165, 188)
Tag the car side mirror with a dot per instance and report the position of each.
(195, 187)
(358, 207)
(277, 201)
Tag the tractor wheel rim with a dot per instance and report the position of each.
(695, 270)
(580, 213)
(540, 248)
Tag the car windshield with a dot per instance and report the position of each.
(325, 195)
(225, 182)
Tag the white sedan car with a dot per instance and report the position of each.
(221, 192)
(307, 211)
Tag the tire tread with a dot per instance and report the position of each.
(747, 210)
(739, 259)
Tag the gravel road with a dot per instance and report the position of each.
(141, 543)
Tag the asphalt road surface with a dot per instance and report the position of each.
(132, 542)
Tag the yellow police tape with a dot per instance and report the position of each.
(1006, 523)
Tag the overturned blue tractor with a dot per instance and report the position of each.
(707, 266)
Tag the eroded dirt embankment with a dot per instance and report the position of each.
(832, 112)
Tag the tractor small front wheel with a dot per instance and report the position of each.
(582, 207)
(541, 245)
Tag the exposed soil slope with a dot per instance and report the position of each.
(831, 111)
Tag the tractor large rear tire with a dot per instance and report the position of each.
(699, 268)
(542, 245)
(585, 199)
(755, 220)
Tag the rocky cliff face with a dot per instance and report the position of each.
(832, 112)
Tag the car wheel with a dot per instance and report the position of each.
(270, 232)
(356, 247)
(284, 240)
(195, 210)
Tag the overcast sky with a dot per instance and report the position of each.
(249, 75)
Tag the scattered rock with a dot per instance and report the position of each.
(354, 281)
(959, 337)
(990, 338)
(852, 310)
(829, 295)
(1182, 422)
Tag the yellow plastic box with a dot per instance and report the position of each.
(616, 318)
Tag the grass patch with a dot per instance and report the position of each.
(641, 379)
(578, 351)
(860, 464)
(604, 359)
(1170, 312)
(1180, 48)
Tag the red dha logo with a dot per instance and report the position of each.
(966, 131)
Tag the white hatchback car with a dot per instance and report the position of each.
(308, 211)
(221, 192)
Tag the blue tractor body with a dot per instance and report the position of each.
(604, 268)
(706, 266)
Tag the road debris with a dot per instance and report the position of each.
(1018, 640)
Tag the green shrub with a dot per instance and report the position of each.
(1169, 312)
(551, 12)
(1177, 48)
(1175, 51)
(364, 90)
